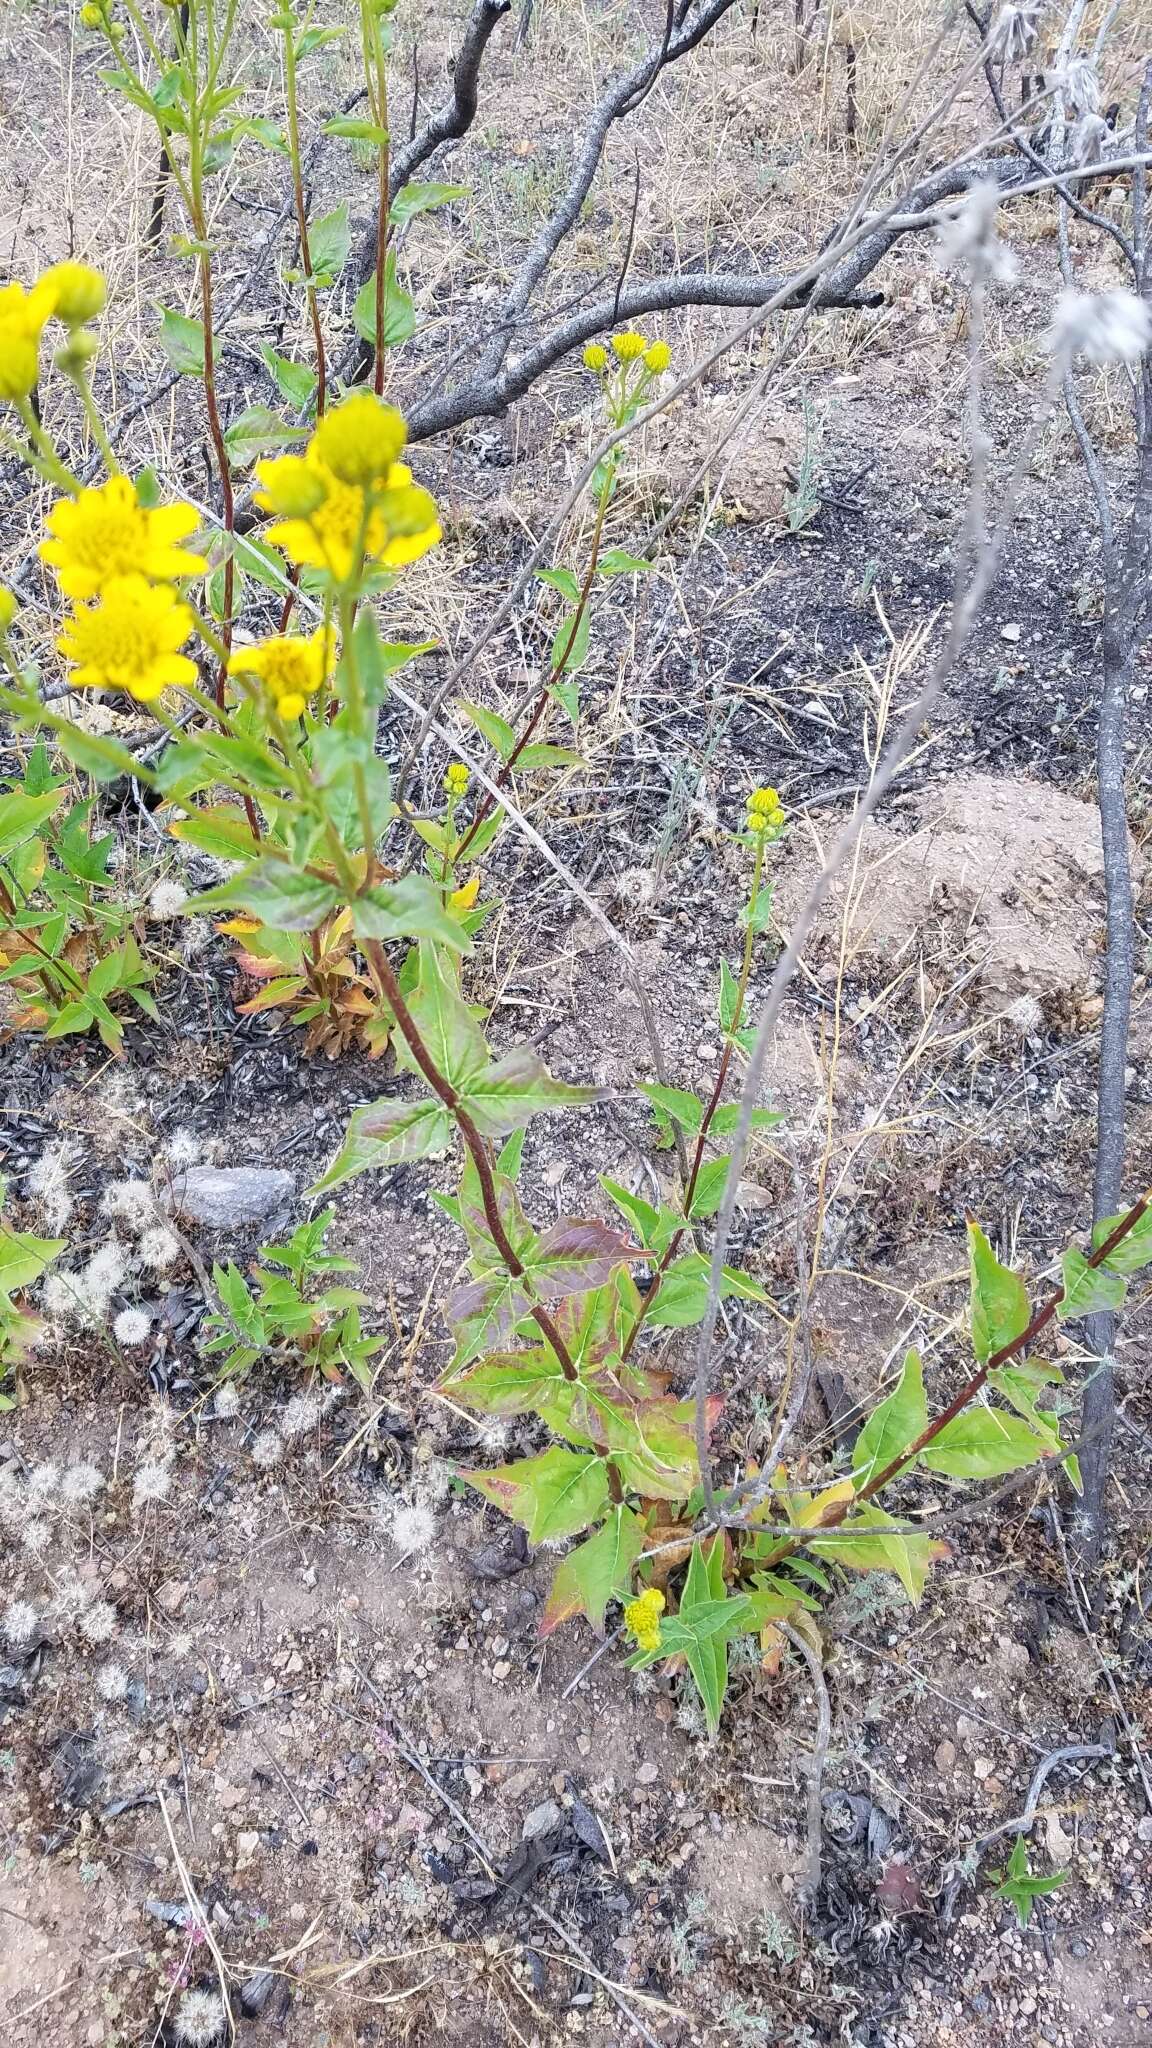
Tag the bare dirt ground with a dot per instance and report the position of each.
(322, 1735)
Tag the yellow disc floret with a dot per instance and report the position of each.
(8, 609)
(595, 356)
(130, 639)
(106, 533)
(78, 292)
(456, 779)
(361, 439)
(642, 1618)
(397, 526)
(291, 486)
(658, 356)
(765, 813)
(629, 345)
(291, 669)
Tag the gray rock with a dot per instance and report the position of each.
(224, 1197)
(541, 1820)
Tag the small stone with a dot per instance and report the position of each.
(945, 1758)
(983, 1767)
(584, 1744)
(247, 1845)
(172, 1596)
(502, 1669)
(230, 1796)
(648, 1772)
(541, 1820)
(1010, 633)
(224, 1197)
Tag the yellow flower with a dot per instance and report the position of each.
(658, 356)
(107, 533)
(595, 356)
(642, 1618)
(291, 669)
(361, 439)
(8, 609)
(456, 779)
(401, 524)
(78, 292)
(629, 345)
(292, 486)
(765, 813)
(91, 15)
(22, 318)
(130, 640)
(766, 800)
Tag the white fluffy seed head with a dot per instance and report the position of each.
(1015, 29)
(168, 899)
(1107, 327)
(43, 1482)
(48, 1181)
(301, 1415)
(1081, 86)
(226, 1400)
(19, 1624)
(132, 1326)
(36, 1535)
(79, 1483)
(413, 1527)
(71, 1598)
(112, 1682)
(968, 241)
(152, 1481)
(101, 1277)
(267, 1449)
(131, 1202)
(98, 1622)
(158, 1249)
(62, 1296)
(183, 1149)
(199, 2019)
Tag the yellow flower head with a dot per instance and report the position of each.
(8, 609)
(291, 669)
(766, 800)
(595, 356)
(361, 439)
(91, 15)
(129, 640)
(456, 779)
(629, 345)
(292, 487)
(642, 1618)
(400, 527)
(107, 533)
(658, 356)
(22, 318)
(78, 292)
(765, 813)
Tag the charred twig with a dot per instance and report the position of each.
(810, 1882)
(1073, 1752)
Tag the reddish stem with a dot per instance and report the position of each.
(389, 988)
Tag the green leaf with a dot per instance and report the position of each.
(1133, 1251)
(222, 829)
(23, 1258)
(595, 1572)
(519, 1086)
(316, 39)
(894, 1424)
(562, 580)
(254, 431)
(685, 1109)
(453, 1039)
(655, 1228)
(182, 340)
(707, 1656)
(410, 908)
(276, 893)
(294, 381)
(570, 644)
(1088, 1290)
(869, 1540)
(710, 1184)
(501, 736)
(384, 1133)
(542, 754)
(726, 1119)
(683, 1294)
(354, 130)
(1000, 1308)
(728, 1005)
(981, 1443)
(554, 1495)
(758, 916)
(1018, 1884)
(618, 562)
(22, 817)
(506, 1382)
(263, 131)
(329, 240)
(413, 199)
(399, 312)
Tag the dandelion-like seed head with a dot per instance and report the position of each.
(158, 1249)
(226, 1400)
(132, 1202)
(152, 1481)
(43, 1482)
(48, 1181)
(968, 242)
(79, 1483)
(167, 899)
(200, 2019)
(1107, 327)
(302, 1414)
(112, 1682)
(132, 1326)
(98, 1622)
(103, 1274)
(183, 1149)
(267, 1449)
(20, 1624)
(71, 1598)
(413, 1527)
